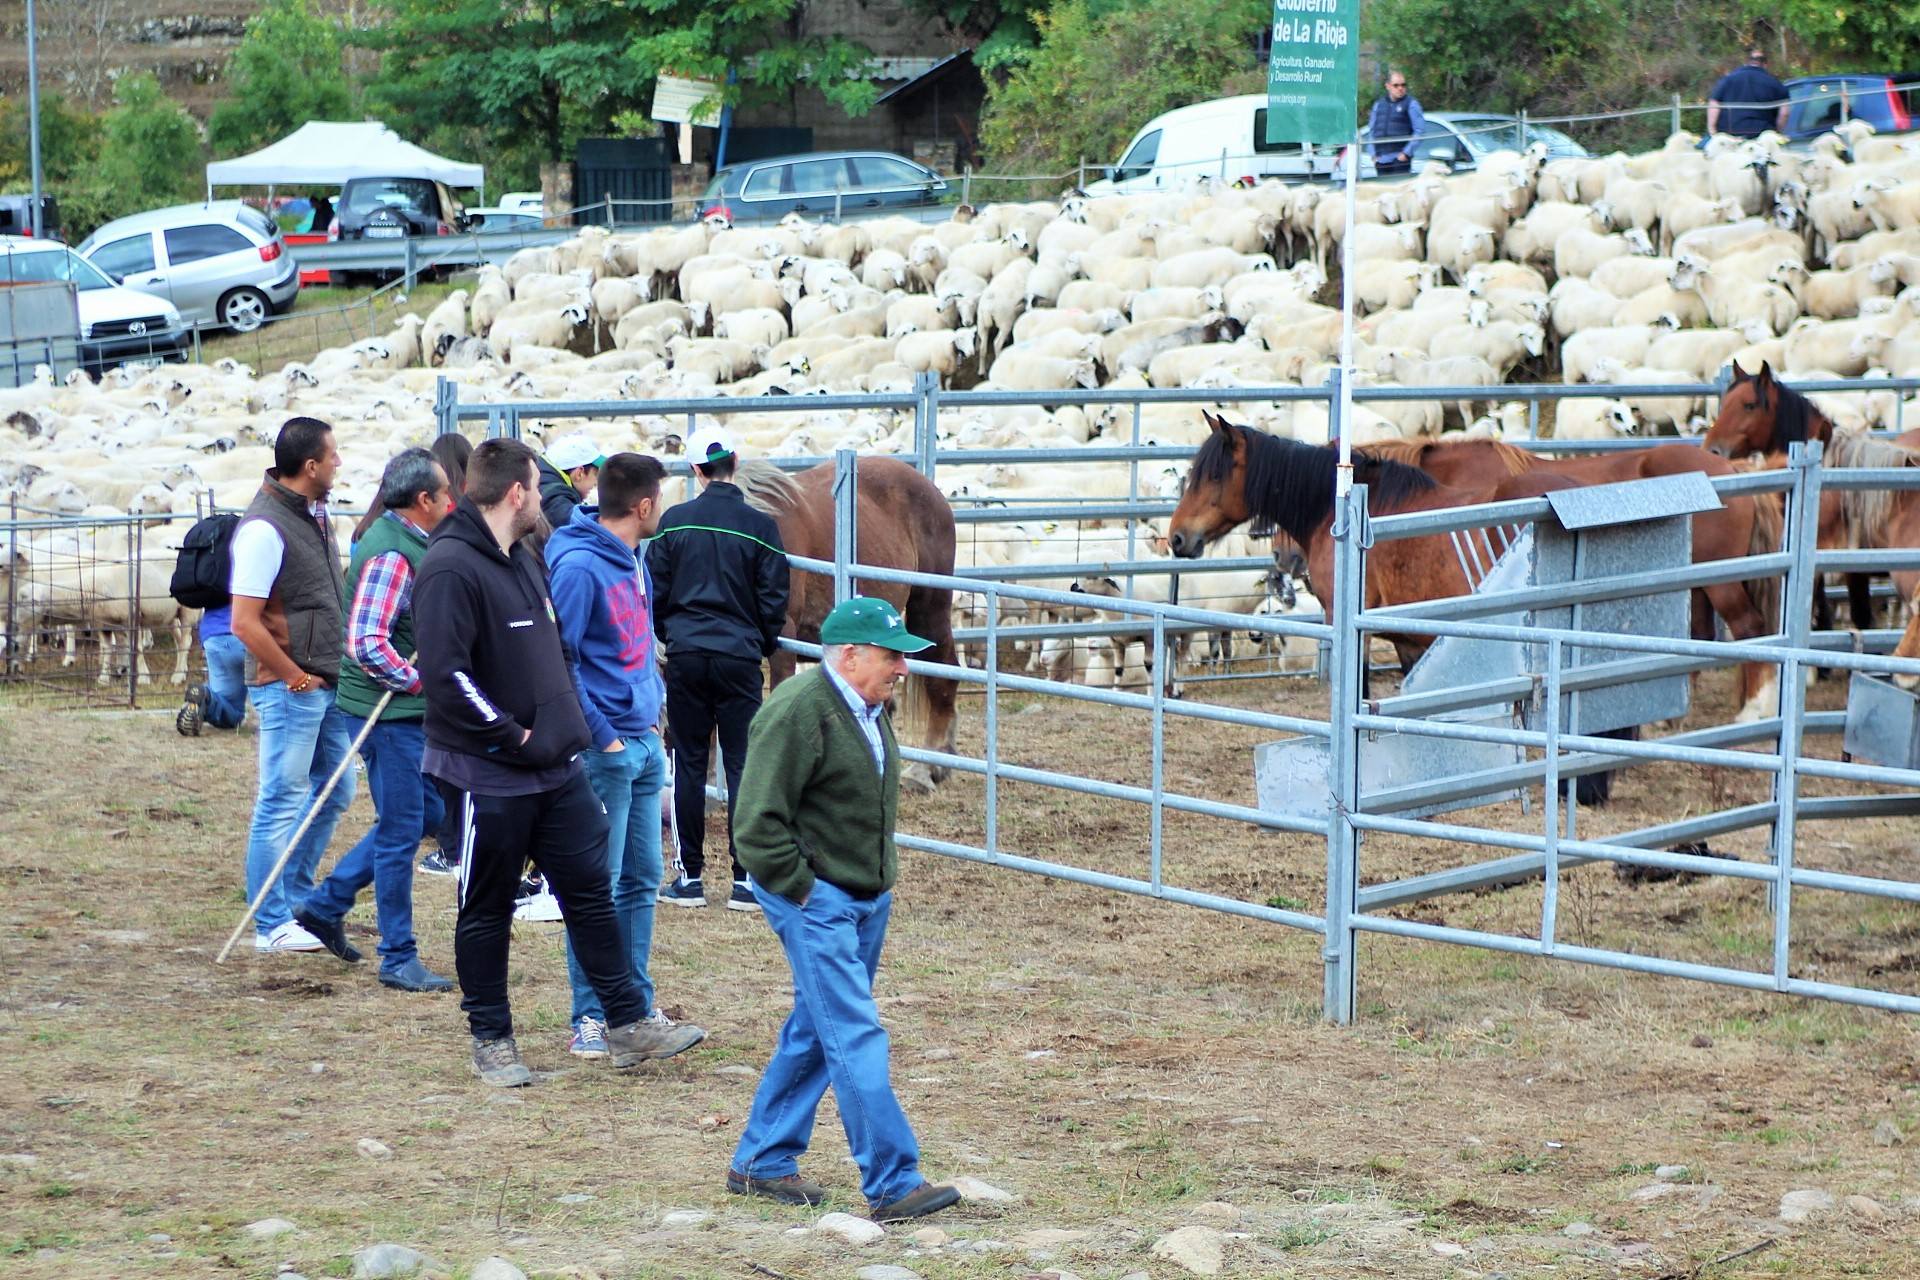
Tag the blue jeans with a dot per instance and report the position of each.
(226, 704)
(629, 784)
(303, 739)
(833, 1036)
(407, 808)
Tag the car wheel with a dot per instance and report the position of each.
(244, 310)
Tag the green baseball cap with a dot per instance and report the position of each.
(867, 620)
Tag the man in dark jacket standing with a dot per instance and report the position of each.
(1748, 101)
(720, 580)
(568, 474)
(504, 726)
(816, 830)
(1394, 126)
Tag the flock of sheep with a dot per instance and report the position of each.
(1657, 268)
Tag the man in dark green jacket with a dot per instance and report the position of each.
(814, 828)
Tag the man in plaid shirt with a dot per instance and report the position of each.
(378, 664)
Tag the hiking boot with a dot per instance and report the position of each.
(792, 1189)
(637, 1041)
(742, 899)
(192, 713)
(332, 936)
(684, 893)
(589, 1039)
(928, 1197)
(498, 1062)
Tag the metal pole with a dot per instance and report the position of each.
(1550, 901)
(13, 579)
(133, 617)
(1796, 622)
(1157, 812)
(407, 271)
(926, 389)
(37, 219)
(1080, 175)
(1343, 388)
(846, 517)
(446, 406)
(992, 598)
(966, 187)
(1676, 115)
(1338, 954)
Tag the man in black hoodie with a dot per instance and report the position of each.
(504, 728)
(720, 580)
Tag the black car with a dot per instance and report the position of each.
(16, 216)
(819, 183)
(394, 208)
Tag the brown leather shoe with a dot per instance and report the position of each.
(928, 1197)
(792, 1189)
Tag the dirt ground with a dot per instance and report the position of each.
(1121, 1067)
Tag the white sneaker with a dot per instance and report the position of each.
(541, 908)
(288, 937)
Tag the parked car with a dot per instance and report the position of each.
(117, 324)
(16, 216)
(393, 208)
(1888, 102)
(222, 264)
(504, 219)
(779, 185)
(523, 201)
(1462, 139)
(1225, 138)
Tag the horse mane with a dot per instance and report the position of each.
(1416, 453)
(1867, 510)
(1794, 416)
(1290, 485)
(766, 487)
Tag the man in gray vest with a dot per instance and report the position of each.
(287, 610)
(1394, 126)
(378, 663)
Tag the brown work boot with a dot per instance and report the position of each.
(928, 1197)
(636, 1042)
(792, 1189)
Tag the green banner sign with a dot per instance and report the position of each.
(1313, 74)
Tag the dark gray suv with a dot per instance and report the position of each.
(819, 183)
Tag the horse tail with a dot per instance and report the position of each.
(916, 710)
(766, 487)
(1764, 538)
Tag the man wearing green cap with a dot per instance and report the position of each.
(814, 826)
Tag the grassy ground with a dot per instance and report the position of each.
(323, 317)
(1122, 1067)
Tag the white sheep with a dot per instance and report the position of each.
(1578, 251)
(1593, 419)
(1503, 344)
(1019, 370)
(936, 351)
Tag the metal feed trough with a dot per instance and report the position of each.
(1628, 527)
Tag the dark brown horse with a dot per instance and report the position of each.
(904, 523)
(1744, 526)
(1761, 415)
(1241, 474)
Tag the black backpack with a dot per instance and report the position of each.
(205, 565)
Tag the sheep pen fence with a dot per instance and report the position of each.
(1789, 745)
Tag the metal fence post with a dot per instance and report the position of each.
(1339, 951)
(1802, 536)
(133, 613)
(846, 518)
(966, 187)
(446, 406)
(13, 581)
(1676, 115)
(1550, 722)
(992, 749)
(411, 265)
(1156, 817)
(1080, 175)
(926, 390)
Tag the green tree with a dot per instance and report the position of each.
(150, 155)
(286, 72)
(1144, 57)
(69, 142)
(758, 41)
(504, 76)
(1877, 33)
(1003, 31)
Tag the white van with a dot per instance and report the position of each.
(1225, 139)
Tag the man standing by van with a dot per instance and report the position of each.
(1395, 125)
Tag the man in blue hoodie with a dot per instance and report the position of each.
(604, 602)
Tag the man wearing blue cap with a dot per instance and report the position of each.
(814, 825)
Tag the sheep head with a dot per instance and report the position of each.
(1620, 416)
(1638, 242)
(1533, 338)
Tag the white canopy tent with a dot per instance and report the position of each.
(328, 152)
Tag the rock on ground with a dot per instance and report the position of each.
(930, 1237)
(685, 1218)
(379, 1261)
(496, 1269)
(974, 1189)
(267, 1228)
(884, 1271)
(1887, 1134)
(1866, 1207)
(1200, 1250)
(374, 1149)
(857, 1231)
(1798, 1206)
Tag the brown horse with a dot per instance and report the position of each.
(904, 523)
(1744, 526)
(1240, 474)
(1761, 415)
(1884, 518)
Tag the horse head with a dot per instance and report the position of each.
(1745, 423)
(1214, 500)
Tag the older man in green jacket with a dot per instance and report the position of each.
(814, 828)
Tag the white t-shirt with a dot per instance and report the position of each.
(257, 551)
